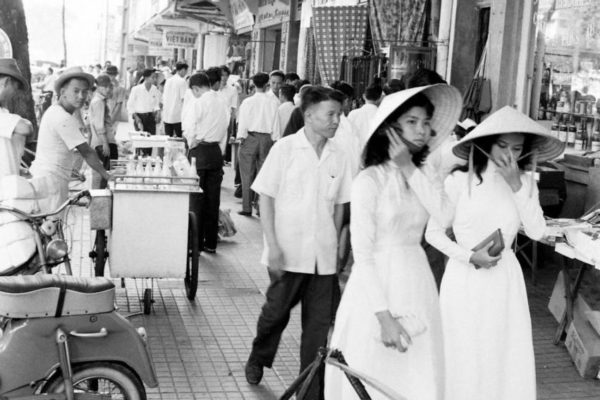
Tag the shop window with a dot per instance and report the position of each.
(569, 94)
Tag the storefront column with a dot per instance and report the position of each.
(257, 45)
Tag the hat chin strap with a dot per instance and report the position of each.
(412, 148)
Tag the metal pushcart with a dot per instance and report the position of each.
(146, 229)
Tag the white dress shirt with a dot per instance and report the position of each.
(305, 189)
(11, 146)
(206, 120)
(348, 141)
(257, 114)
(142, 100)
(284, 112)
(230, 95)
(361, 119)
(173, 94)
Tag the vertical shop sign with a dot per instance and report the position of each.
(272, 12)
(242, 17)
(284, 46)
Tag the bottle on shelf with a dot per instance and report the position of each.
(554, 129)
(562, 128)
(578, 143)
(571, 132)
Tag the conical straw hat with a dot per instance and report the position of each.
(509, 120)
(447, 103)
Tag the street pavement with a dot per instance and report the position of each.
(199, 347)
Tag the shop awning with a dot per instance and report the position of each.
(215, 12)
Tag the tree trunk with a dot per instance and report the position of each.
(12, 21)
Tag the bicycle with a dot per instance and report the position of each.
(335, 358)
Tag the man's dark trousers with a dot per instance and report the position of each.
(148, 125)
(252, 155)
(317, 294)
(209, 166)
(173, 129)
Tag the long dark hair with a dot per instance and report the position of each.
(480, 160)
(377, 148)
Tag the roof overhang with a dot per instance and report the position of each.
(213, 12)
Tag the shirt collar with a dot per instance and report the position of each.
(302, 142)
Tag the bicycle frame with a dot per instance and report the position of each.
(335, 358)
(36, 221)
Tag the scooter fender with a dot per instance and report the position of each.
(122, 343)
(29, 351)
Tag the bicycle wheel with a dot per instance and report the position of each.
(104, 378)
(191, 268)
(100, 253)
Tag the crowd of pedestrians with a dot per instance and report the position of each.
(325, 178)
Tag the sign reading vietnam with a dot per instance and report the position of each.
(271, 12)
(179, 39)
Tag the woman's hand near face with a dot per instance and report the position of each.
(509, 169)
(399, 152)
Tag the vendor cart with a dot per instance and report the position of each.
(151, 232)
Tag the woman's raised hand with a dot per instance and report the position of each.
(509, 169)
(399, 152)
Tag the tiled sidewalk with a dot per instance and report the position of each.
(199, 348)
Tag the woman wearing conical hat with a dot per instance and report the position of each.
(388, 322)
(485, 315)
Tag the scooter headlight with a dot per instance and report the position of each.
(56, 249)
(142, 332)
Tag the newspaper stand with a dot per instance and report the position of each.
(153, 234)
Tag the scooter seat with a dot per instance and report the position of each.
(46, 295)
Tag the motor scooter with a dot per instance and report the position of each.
(61, 335)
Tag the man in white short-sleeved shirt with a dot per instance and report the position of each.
(303, 186)
(61, 133)
(173, 95)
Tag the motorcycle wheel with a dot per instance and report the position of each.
(101, 253)
(103, 378)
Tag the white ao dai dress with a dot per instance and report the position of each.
(485, 315)
(390, 272)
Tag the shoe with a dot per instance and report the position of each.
(209, 250)
(254, 372)
(238, 192)
(245, 213)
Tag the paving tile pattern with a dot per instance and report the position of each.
(199, 348)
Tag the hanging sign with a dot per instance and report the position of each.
(272, 12)
(5, 45)
(242, 17)
(179, 39)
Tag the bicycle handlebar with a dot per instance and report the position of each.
(70, 201)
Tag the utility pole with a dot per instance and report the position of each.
(64, 34)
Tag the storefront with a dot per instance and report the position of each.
(271, 45)
(569, 49)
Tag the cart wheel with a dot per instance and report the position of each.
(191, 269)
(147, 301)
(100, 252)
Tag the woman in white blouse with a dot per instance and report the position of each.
(485, 316)
(388, 323)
